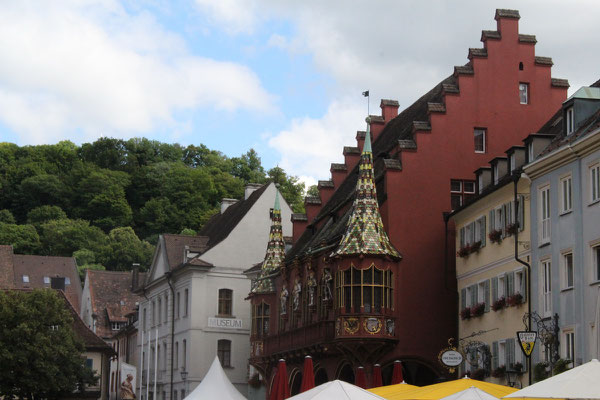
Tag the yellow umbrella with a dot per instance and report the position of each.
(439, 390)
(385, 391)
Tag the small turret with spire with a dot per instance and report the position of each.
(365, 234)
(275, 255)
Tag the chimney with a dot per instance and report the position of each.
(389, 109)
(58, 283)
(135, 276)
(225, 203)
(250, 188)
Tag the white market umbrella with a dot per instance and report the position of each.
(471, 393)
(338, 390)
(581, 382)
(215, 385)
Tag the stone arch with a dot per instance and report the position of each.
(295, 381)
(321, 376)
(345, 372)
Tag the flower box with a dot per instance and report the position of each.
(478, 309)
(515, 299)
(465, 313)
(499, 304)
(499, 372)
(495, 236)
(512, 228)
(479, 374)
(475, 246)
(464, 251)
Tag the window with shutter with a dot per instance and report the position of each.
(487, 295)
(494, 355)
(510, 279)
(492, 219)
(521, 216)
(473, 295)
(494, 289)
(510, 353)
(462, 237)
(463, 298)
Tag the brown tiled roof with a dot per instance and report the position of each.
(527, 38)
(504, 13)
(556, 82)
(175, 246)
(543, 60)
(7, 273)
(91, 341)
(219, 226)
(39, 267)
(112, 298)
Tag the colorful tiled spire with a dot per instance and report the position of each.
(365, 233)
(275, 253)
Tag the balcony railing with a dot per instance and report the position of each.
(319, 332)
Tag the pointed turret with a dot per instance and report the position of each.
(275, 253)
(365, 234)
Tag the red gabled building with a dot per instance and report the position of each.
(357, 305)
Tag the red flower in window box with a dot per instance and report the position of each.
(495, 236)
(475, 246)
(464, 251)
(512, 228)
(499, 304)
(515, 299)
(499, 372)
(465, 313)
(478, 309)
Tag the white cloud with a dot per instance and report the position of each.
(92, 68)
(235, 16)
(308, 146)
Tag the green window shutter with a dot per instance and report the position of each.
(494, 289)
(510, 217)
(462, 237)
(463, 299)
(503, 220)
(492, 219)
(510, 279)
(494, 355)
(510, 353)
(482, 235)
(486, 295)
(473, 295)
(472, 233)
(521, 212)
(524, 284)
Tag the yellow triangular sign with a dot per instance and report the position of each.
(527, 341)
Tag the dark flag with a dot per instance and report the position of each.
(366, 94)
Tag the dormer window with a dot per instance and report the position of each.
(115, 326)
(496, 174)
(480, 182)
(511, 159)
(524, 93)
(25, 278)
(570, 121)
(530, 152)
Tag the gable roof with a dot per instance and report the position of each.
(220, 225)
(175, 247)
(112, 298)
(399, 128)
(39, 267)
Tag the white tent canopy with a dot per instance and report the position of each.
(215, 385)
(582, 382)
(336, 390)
(471, 393)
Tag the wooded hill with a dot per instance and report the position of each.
(106, 202)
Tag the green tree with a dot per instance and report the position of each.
(7, 217)
(62, 237)
(313, 191)
(125, 248)
(23, 238)
(290, 187)
(40, 354)
(37, 216)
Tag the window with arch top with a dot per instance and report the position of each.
(371, 288)
(225, 299)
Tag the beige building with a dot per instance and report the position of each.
(492, 284)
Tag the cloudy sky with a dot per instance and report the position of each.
(284, 77)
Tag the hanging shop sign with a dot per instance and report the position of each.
(450, 357)
(527, 341)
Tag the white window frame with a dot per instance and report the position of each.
(530, 152)
(501, 286)
(481, 292)
(569, 345)
(47, 280)
(499, 218)
(544, 214)
(565, 256)
(520, 281)
(480, 182)
(512, 161)
(595, 260)
(523, 89)
(496, 173)
(566, 194)
(546, 287)
(594, 173)
(570, 120)
(478, 132)
(502, 353)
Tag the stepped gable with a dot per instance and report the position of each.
(365, 233)
(275, 254)
(219, 226)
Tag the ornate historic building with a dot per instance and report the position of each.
(344, 294)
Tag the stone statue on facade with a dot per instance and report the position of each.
(296, 293)
(311, 284)
(326, 283)
(283, 298)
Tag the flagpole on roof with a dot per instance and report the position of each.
(366, 94)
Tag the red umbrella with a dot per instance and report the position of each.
(376, 380)
(397, 375)
(280, 389)
(308, 375)
(361, 378)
